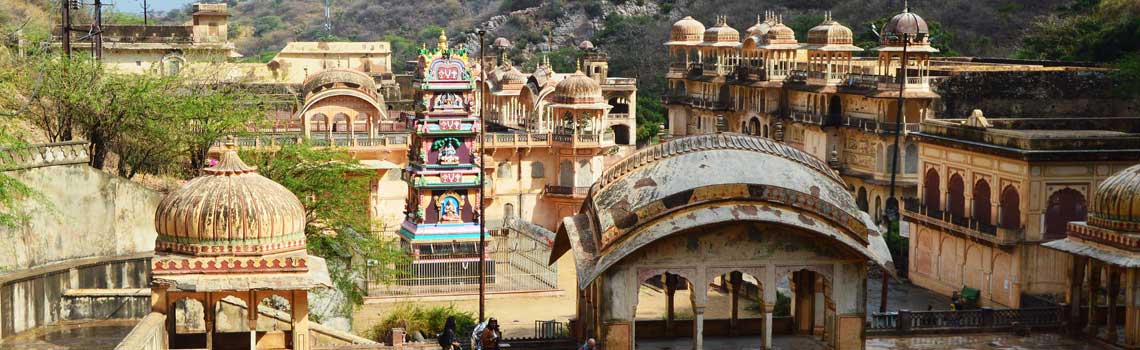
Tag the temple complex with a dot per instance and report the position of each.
(981, 194)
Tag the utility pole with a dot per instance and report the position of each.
(893, 214)
(65, 34)
(145, 10)
(97, 40)
(482, 186)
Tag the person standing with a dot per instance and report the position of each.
(447, 339)
(590, 344)
(491, 336)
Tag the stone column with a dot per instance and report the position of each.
(208, 309)
(1132, 303)
(736, 279)
(1073, 295)
(252, 314)
(768, 304)
(308, 128)
(300, 309)
(698, 326)
(1094, 284)
(1113, 290)
(804, 299)
(670, 291)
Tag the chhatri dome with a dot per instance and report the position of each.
(721, 33)
(762, 25)
(1117, 202)
(830, 32)
(909, 25)
(686, 31)
(230, 210)
(577, 88)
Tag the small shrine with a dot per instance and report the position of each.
(442, 231)
(228, 242)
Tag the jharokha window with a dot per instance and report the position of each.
(1065, 205)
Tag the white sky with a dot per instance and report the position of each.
(135, 6)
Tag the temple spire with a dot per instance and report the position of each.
(442, 40)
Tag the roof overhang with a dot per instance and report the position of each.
(1080, 247)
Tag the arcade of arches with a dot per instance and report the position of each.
(650, 216)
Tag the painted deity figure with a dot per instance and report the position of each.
(448, 155)
(450, 211)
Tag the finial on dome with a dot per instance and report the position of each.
(906, 6)
(442, 40)
(231, 144)
(578, 66)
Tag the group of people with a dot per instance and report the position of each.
(487, 335)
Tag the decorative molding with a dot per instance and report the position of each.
(43, 155)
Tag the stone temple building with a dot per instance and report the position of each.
(981, 193)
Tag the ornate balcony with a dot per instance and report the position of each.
(566, 191)
(915, 210)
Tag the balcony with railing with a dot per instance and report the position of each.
(884, 82)
(678, 68)
(917, 211)
(806, 117)
(825, 77)
(706, 102)
(566, 191)
(872, 125)
(617, 81)
(798, 76)
(750, 73)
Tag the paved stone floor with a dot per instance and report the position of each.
(97, 335)
(903, 295)
(979, 342)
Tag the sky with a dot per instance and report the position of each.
(135, 6)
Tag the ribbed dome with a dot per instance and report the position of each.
(905, 23)
(501, 42)
(830, 32)
(338, 75)
(762, 25)
(721, 33)
(513, 75)
(1117, 203)
(586, 45)
(577, 88)
(230, 210)
(687, 29)
(780, 34)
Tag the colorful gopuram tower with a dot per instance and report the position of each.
(442, 231)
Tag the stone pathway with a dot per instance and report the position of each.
(95, 335)
(903, 295)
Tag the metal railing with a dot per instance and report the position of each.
(575, 191)
(45, 154)
(806, 117)
(551, 329)
(514, 263)
(964, 224)
(980, 320)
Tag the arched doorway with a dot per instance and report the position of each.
(665, 310)
(835, 111)
(189, 323)
(982, 202)
(621, 134)
(620, 105)
(956, 196)
(1065, 205)
(1009, 212)
(861, 199)
(754, 127)
(932, 191)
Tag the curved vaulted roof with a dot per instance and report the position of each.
(708, 179)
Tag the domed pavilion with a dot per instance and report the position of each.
(1105, 252)
(721, 209)
(578, 106)
(228, 237)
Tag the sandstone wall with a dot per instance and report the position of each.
(1033, 94)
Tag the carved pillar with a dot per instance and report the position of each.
(1113, 290)
(306, 126)
(698, 326)
(300, 309)
(208, 309)
(252, 314)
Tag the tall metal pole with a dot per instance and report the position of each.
(482, 187)
(145, 10)
(892, 202)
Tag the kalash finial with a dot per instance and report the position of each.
(231, 143)
(906, 6)
(442, 40)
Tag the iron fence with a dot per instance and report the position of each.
(965, 321)
(515, 263)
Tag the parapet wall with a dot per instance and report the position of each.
(1034, 94)
(86, 229)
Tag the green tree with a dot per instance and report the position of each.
(212, 109)
(334, 190)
